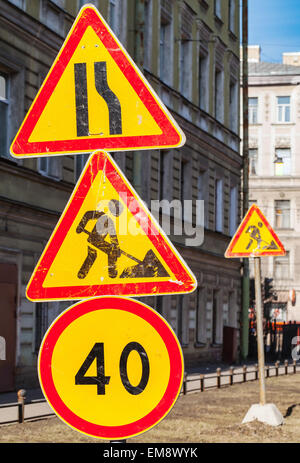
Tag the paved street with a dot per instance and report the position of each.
(34, 410)
(212, 416)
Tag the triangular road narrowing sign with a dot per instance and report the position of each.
(255, 237)
(94, 97)
(107, 243)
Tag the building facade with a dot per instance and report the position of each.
(189, 52)
(274, 180)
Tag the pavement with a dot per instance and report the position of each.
(35, 394)
(9, 413)
(32, 410)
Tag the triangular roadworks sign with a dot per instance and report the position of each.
(107, 243)
(255, 237)
(94, 97)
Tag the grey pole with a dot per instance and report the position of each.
(259, 329)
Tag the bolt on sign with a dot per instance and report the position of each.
(255, 237)
(94, 97)
(110, 367)
(107, 243)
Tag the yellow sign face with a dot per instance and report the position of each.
(94, 97)
(254, 237)
(107, 242)
(110, 367)
(58, 120)
(88, 246)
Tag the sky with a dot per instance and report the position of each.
(275, 26)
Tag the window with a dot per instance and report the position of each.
(45, 313)
(117, 18)
(147, 34)
(232, 309)
(203, 82)
(41, 323)
(219, 205)
(219, 95)
(80, 161)
(187, 18)
(83, 2)
(185, 67)
(282, 267)
(283, 168)
(183, 319)
(202, 190)
(163, 174)
(282, 214)
(12, 79)
(201, 316)
(216, 319)
(159, 304)
(233, 106)
(165, 53)
(60, 3)
(232, 15)
(218, 8)
(252, 201)
(4, 102)
(113, 16)
(201, 185)
(253, 161)
(283, 109)
(183, 179)
(233, 211)
(50, 167)
(166, 41)
(20, 3)
(53, 16)
(185, 184)
(253, 110)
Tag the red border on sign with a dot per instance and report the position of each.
(35, 290)
(230, 253)
(89, 17)
(151, 317)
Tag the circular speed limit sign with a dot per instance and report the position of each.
(110, 367)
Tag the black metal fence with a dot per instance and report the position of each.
(281, 340)
(238, 375)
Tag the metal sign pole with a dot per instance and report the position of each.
(259, 328)
(256, 238)
(266, 413)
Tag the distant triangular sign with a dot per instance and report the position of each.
(255, 237)
(94, 97)
(107, 243)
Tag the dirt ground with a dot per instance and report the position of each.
(213, 416)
